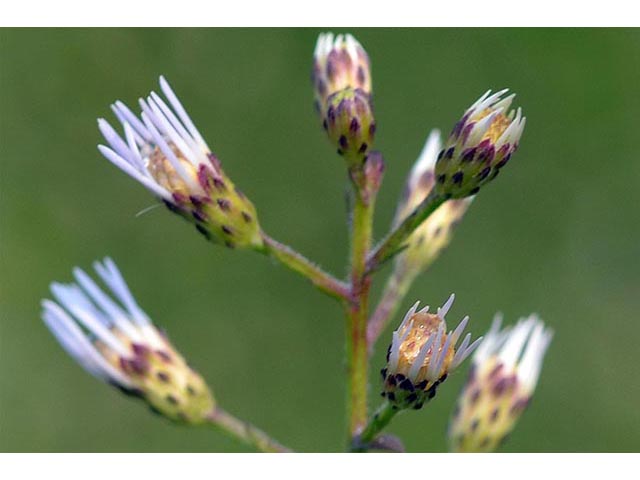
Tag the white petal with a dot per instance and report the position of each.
(442, 312)
(75, 342)
(112, 310)
(127, 168)
(182, 113)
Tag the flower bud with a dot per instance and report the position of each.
(480, 144)
(164, 151)
(421, 356)
(350, 124)
(434, 234)
(115, 341)
(502, 379)
(339, 64)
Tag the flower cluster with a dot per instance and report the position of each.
(502, 379)
(116, 342)
(111, 337)
(164, 151)
(422, 354)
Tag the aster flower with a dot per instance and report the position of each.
(481, 143)
(503, 376)
(164, 151)
(422, 354)
(339, 62)
(435, 233)
(113, 339)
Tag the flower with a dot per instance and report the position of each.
(115, 341)
(338, 63)
(422, 354)
(164, 151)
(503, 376)
(434, 234)
(480, 144)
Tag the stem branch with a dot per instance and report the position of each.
(393, 242)
(378, 422)
(244, 431)
(357, 357)
(298, 263)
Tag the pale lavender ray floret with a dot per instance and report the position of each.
(164, 126)
(84, 314)
(520, 348)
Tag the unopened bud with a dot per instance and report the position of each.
(481, 143)
(339, 63)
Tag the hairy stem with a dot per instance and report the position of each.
(394, 241)
(244, 431)
(298, 263)
(376, 424)
(394, 292)
(357, 357)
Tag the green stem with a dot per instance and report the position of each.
(244, 431)
(393, 242)
(378, 422)
(394, 292)
(298, 263)
(357, 358)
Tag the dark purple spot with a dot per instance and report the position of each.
(475, 395)
(203, 231)
(219, 183)
(449, 153)
(484, 173)
(457, 178)
(354, 126)
(494, 415)
(199, 216)
(163, 355)
(474, 424)
(407, 384)
(224, 204)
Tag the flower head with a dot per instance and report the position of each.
(422, 354)
(115, 341)
(435, 233)
(350, 124)
(502, 379)
(338, 63)
(164, 151)
(480, 144)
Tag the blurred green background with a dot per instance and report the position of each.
(558, 233)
